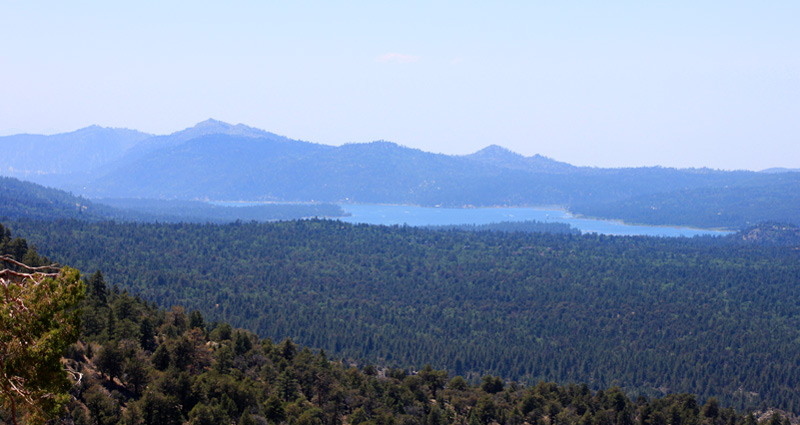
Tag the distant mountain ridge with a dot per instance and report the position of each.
(203, 128)
(214, 160)
(778, 170)
(75, 152)
(499, 156)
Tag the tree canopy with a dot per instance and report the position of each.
(38, 321)
(709, 316)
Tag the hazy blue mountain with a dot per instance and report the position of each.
(221, 166)
(779, 170)
(273, 168)
(204, 128)
(209, 167)
(505, 158)
(219, 161)
(48, 158)
(146, 147)
(70, 160)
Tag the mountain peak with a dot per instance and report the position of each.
(212, 126)
(780, 170)
(95, 129)
(505, 158)
(211, 123)
(495, 151)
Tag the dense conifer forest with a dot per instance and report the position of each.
(654, 316)
(735, 207)
(136, 363)
(513, 226)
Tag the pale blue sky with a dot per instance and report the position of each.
(683, 84)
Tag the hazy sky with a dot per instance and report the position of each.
(683, 84)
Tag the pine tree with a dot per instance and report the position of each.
(38, 321)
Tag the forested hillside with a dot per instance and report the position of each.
(734, 207)
(202, 212)
(652, 315)
(20, 199)
(137, 364)
(530, 226)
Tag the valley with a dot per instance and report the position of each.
(473, 283)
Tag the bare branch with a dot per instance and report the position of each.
(76, 376)
(9, 272)
(9, 259)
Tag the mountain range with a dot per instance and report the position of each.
(218, 161)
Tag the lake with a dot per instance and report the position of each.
(422, 216)
(390, 215)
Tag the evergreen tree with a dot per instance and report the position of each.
(196, 321)
(38, 321)
(109, 360)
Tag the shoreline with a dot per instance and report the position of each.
(567, 214)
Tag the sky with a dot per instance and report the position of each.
(597, 83)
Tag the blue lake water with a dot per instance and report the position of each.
(420, 216)
(390, 215)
